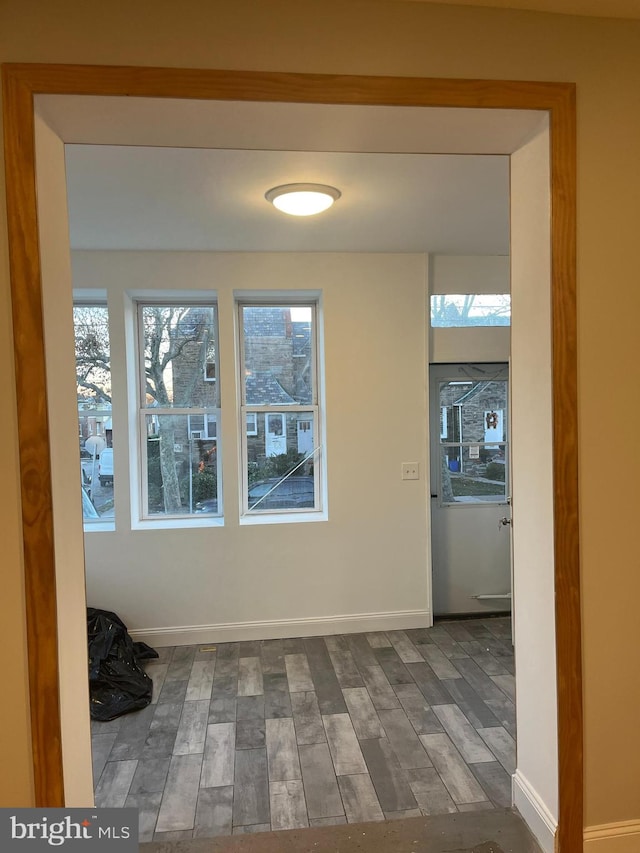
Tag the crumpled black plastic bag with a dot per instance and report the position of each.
(117, 682)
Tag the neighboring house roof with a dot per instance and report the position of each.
(264, 388)
(267, 322)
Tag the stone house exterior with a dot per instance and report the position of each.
(474, 414)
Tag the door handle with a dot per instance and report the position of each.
(503, 522)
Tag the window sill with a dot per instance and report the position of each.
(100, 527)
(283, 518)
(177, 523)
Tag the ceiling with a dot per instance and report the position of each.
(213, 200)
(192, 175)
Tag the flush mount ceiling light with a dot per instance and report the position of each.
(302, 199)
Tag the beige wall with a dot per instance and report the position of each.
(469, 274)
(339, 36)
(266, 576)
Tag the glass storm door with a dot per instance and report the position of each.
(470, 512)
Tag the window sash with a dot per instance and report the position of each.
(286, 303)
(141, 343)
(143, 437)
(314, 413)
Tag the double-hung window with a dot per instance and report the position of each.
(280, 417)
(95, 427)
(179, 409)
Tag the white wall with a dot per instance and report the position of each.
(469, 274)
(367, 566)
(536, 780)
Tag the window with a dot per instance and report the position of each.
(474, 309)
(252, 423)
(474, 441)
(95, 428)
(281, 470)
(179, 410)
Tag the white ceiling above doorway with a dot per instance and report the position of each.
(134, 185)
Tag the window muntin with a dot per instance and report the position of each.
(95, 426)
(279, 408)
(179, 410)
(455, 310)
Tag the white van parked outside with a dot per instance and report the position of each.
(105, 467)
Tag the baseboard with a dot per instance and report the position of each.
(534, 812)
(621, 837)
(230, 632)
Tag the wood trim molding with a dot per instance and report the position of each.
(20, 83)
(33, 431)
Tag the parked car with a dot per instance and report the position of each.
(292, 493)
(88, 508)
(105, 468)
(207, 505)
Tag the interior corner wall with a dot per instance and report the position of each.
(535, 783)
(287, 579)
(469, 274)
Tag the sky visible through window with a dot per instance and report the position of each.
(476, 309)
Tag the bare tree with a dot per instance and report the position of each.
(177, 340)
(174, 337)
(93, 355)
(447, 312)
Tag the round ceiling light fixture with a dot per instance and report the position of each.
(302, 199)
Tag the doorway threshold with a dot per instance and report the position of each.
(494, 831)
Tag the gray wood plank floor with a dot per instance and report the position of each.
(283, 734)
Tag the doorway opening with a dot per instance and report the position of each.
(562, 268)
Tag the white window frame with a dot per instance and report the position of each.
(145, 518)
(98, 301)
(318, 512)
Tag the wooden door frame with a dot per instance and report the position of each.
(21, 82)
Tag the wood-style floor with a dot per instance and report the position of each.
(283, 734)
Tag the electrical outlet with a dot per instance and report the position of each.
(410, 470)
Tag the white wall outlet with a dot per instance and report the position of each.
(410, 470)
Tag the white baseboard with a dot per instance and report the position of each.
(621, 837)
(230, 632)
(534, 812)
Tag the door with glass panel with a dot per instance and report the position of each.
(470, 503)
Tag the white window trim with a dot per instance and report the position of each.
(319, 513)
(141, 519)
